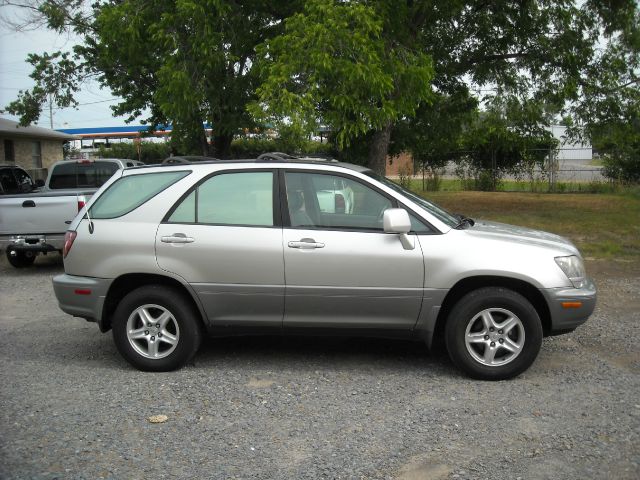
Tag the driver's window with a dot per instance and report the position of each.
(332, 201)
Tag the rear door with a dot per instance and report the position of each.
(341, 269)
(224, 238)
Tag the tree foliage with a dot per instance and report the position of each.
(382, 74)
(340, 63)
(182, 62)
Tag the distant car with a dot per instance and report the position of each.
(163, 254)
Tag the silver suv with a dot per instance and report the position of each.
(164, 254)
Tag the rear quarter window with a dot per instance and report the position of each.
(128, 193)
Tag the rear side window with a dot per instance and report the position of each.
(128, 193)
(81, 175)
(243, 198)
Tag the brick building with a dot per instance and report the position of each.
(400, 163)
(33, 148)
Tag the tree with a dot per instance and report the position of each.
(185, 62)
(349, 66)
(547, 53)
(372, 70)
(502, 140)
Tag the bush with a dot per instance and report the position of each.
(622, 167)
(405, 176)
(147, 152)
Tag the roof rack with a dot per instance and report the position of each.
(187, 159)
(276, 156)
(284, 157)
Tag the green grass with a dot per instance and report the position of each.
(542, 186)
(603, 226)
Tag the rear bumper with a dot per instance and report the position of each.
(81, 296)
(32, 242)
(570, 307)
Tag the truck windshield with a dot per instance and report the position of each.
(438, 212)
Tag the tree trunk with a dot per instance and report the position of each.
(222, 145)
(379, 148)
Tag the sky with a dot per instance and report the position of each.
(94, 102)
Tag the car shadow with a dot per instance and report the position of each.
(311, 353)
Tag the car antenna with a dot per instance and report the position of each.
(91, 227)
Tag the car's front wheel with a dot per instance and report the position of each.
(156, 329)
(493, 333)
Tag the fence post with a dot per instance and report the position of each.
(552, 170)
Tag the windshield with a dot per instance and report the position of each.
(432, 208)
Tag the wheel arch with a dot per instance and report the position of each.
(124, 284)
(466, 285)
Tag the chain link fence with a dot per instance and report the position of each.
(564, 169)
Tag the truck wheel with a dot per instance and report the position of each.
(493, 334)
(20, 259)
(156, 329)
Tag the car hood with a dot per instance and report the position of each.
(522, 235)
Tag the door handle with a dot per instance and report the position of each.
(177, 238)
(28, 203)
(306, 244)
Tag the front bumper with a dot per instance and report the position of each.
(81, 296)
(570, 307)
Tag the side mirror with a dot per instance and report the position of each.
(396, 220)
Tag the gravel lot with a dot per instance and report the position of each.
(313, 408)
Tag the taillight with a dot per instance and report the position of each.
(82, 201)
(69, 237)
(339, 203)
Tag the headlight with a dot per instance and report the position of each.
(573, 268)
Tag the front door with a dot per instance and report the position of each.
(341, 269)
(223, 238)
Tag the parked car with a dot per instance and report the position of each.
(15, 180)
(162, 255)
(34, 220)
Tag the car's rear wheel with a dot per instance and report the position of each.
(493, 334)
(156, 328)
(21, 259)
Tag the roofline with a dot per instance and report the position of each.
(11, 128)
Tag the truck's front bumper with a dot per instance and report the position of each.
(81, 296)
(570, 307)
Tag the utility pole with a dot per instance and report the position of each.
(51, 111)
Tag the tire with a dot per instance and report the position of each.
(171, 338)
(493, 334)
(21, 259)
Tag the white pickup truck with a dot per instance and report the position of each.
(36, 222)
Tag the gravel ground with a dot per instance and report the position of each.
(312, 408)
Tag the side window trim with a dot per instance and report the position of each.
(277, 219)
